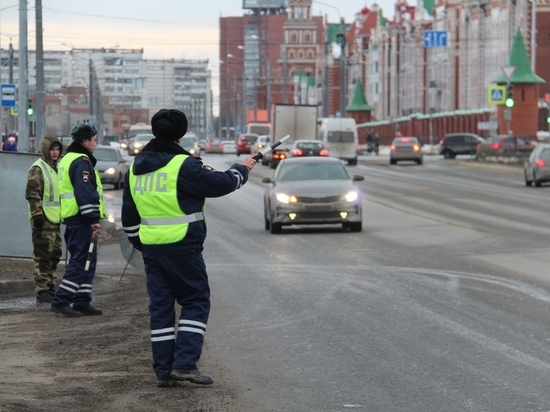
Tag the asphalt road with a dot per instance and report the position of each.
(440, 304)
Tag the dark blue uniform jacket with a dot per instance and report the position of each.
(82, 175)
(195, 183)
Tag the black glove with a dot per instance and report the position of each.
(38, 222)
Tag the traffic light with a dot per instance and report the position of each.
(509, 102)
(30, 109)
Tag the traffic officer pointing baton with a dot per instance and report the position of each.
(268, 149)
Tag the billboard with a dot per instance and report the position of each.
(264, 4)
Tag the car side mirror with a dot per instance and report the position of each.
(267, 180)
(358, 178)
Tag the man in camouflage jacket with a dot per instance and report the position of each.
(42, 193)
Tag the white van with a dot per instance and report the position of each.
(339, 134)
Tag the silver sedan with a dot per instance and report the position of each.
(312, 190)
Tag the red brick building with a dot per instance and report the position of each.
(273, 55)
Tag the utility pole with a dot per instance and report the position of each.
(268, 97)
(39, 110)
(23, 118)
(342, 42)
(325, 70)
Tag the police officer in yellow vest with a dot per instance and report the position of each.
(82, 207)
(42, 193)
(163, 216)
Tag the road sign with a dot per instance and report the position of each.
(15, 110)
(435, 38)
(8, 95)
(508, 71)
(497, 94)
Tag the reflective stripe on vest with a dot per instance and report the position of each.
(69, 206)
(156, 198)
(50, 198)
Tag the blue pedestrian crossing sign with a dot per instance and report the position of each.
(497, 94)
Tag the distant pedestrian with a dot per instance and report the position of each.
(162, 214)
(11, 145)
(82, 207)
(42, 193)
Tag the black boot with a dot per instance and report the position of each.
(44, 296)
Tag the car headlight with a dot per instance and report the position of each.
(286, 199)
(138, 145)
(124, 145)
(351, 196)
(110, 171)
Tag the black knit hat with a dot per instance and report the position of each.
(169, 124)
(83, 131)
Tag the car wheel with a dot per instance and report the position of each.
(352, 162)
(117, 183)
(266, 220)
(527, 181)
(272, 164)
(419, 161)
(393, 161)
(354, 226)
(447, 154)
(537, 182)
(275, 227)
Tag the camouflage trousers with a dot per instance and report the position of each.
(47, 250)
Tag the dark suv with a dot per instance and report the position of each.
(459, 143)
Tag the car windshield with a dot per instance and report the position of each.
(405, 140)
(250, 139)
(105, 155)
(312, 171)
(340, 137)
(309, 145)
(545, 155)
(187, 141)
(143, 138)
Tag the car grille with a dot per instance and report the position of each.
(318, 215)
(328, 199)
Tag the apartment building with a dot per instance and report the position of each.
(113, 88)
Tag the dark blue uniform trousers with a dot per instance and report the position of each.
(178, 278)
(77, 283)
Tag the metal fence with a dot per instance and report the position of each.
(15, 229)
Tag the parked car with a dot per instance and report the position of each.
(504, 145)
(459, 144)
(191, 144)
(405, 148)
(112, 167)
(536, 168)
(301, 148)
(138, 142)
(245, 142)
(312, 190)
(214, 146)
(229, 147)
(261, 143)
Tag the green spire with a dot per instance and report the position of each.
(383, 21)
(359, 102)
(523, 72)
(429, 6)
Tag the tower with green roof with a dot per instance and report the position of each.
(524, 113)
